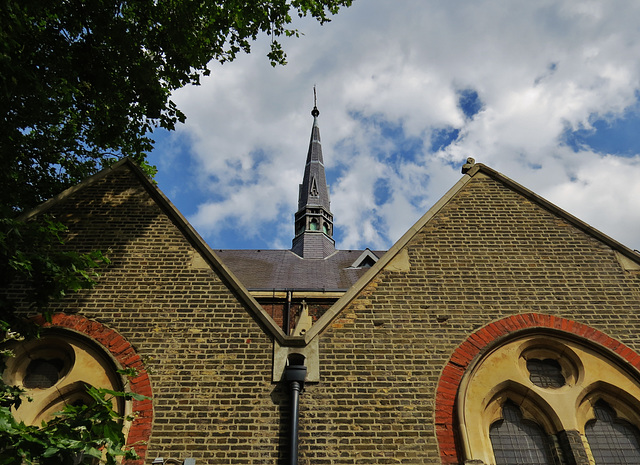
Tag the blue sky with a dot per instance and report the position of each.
(545, 92)
(618, 135)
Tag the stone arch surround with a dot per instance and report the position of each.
(483, 339)
(124, 353)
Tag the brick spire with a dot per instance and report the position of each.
(313, 220)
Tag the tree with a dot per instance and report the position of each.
(78, 434)
(82, 84)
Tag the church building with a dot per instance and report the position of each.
(295, 287)
(499, 329)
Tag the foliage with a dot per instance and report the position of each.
(78, 434)
(34, 252)
(84, 83)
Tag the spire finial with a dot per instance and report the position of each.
(315, 112)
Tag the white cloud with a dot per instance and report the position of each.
(603, 193)
(538, 67)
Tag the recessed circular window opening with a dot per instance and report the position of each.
(549, 364)
(39, 364)
(545, 373)
(43, 373)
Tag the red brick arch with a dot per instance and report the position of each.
(124, 353)
(480, 340)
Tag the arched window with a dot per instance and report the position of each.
(55, 370)
(518, 441)
(542, 398)
(612, 441)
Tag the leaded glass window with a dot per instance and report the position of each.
(545, 373)
(42, 374)
(612, 441)
(518, 441)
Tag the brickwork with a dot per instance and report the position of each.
(208, 359)
(276, 309)
(487, 255)
(390, 361)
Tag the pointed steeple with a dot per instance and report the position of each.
(313, 220)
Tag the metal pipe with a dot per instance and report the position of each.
(287, 314)
(295, 411)
(295, 372)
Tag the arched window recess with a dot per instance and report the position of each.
(565, 393)
(482, 416)
(619, 399)
(55, 370)
(516, 439)
(611, 440)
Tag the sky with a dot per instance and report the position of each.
(546, 92)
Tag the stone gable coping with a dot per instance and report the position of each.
(366, 278)
(265, 321)
(245, 297)
(477, 168)
(549, 206)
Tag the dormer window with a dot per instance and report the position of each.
(366, 260)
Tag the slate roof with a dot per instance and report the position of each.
(284, 270)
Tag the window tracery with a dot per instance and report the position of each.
(55, 370)
(517, 440)
(42, 373)
(545, 373)
(612, 441)
(520, 402)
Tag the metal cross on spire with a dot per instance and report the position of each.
(315, 111)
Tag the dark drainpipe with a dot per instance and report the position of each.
(295, 372)
(287, 314)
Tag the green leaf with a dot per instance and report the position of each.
(93, 452)
(84, 85)
(50, 451)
